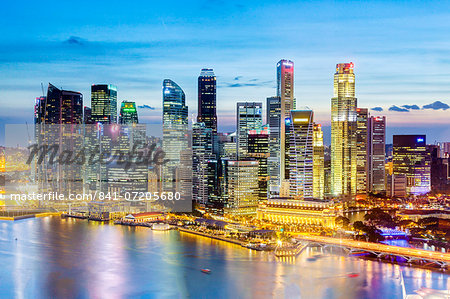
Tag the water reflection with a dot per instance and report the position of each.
(69, 258)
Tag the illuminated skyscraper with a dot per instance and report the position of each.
(411, 159)
(104, 103)
(62, 106)
(202, 151)
(258, 149)
(175, 125)
(128, 113)
(207, 99)
(362, 115)
(299, 170)
(249, 117)
(273, 162)
(343, 132)
(285, 91)
(318, 163)
(376, 154)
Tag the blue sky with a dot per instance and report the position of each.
(401, 52)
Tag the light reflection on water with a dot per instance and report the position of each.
(70, 258)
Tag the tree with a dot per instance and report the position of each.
(342, 221)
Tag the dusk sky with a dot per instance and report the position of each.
(401, 52)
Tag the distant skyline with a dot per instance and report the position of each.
(400, 51)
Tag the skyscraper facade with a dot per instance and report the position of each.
(258, 149)
(175, 135)
(376, 154)
(318, 163)
(104, 103)
(202, 151)
(299, 172)
(362, 115)
(273, 162)
(249, 117)
(207, 99)
(343, 132)
(411, 159)
(62, 106)
(128, 113)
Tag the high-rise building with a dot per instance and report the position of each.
(128, 113)
(285, 91)
(62, 106)
(411, 159)
(175, 126)
(258, 149)
(202, 151)
(273, 162)
(343, 132)
(362, 115)
(104, 103)
(207, 99)
(440, 169)
(318, 163)
(299, 170)
(249, 117)
(87, 115)
(376, 154)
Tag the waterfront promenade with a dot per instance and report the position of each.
(237, 242)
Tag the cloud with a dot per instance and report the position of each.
(249, 83)
(75, 40)
(398, 109)
(412, 107)
(146, 107)
(237, 78)
(379, 109)
(436, 106)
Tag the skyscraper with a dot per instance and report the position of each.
(202, 151)
(285, 91)
(207, 99)
(175, 125)
(273, 162)
(343, 132)
(104, 103)
(258, 149)
(128, 113)
(299, 170)
(376, 154)
(249, 117)
(62, 106)
(411, 159)
(362, 115)
(318, 163)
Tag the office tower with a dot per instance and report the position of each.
(285, 91)
(274, 122)
(258, 149)
(362, 116)
(184, 175)
(202, 151)
(175, 125)
(104, 103)
(87, 115)
(39, 107)
(249, 117)
(412, 160)
(343, 132)
(318, 163)
(240, 181)
(299, 169)
(63, 106)
(128, 113)
(227, 145)
(376, 154)
(207, 99)
(440, 169)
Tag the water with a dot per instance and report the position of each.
(70, 258)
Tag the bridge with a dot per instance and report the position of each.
(379, 250)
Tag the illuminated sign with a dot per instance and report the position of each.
(419, 140)
(300, 120)
(287, 121)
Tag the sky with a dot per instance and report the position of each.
(401, 52)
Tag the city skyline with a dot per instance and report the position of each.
(413, 56)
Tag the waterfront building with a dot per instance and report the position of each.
(258, 149)
(128, 113)
(286, 211)
(240, 183)
(202, 151)
(274, 121)
(362, 115)
(299, 171)
(175, 135)
(343, 132)
(318, 163)
(104, 103)
(207, 99)
(411, 159)
(376, 154)
(248, 117)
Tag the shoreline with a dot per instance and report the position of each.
(237, 242)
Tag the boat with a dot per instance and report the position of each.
(207, 271)
(160, 226)
(352, 274)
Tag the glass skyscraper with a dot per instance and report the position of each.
(128, 113)
(175, 135)
(362, 115)
(273, 162)
(104, 103)
(343, 132)
(376, 154)
(249, 117)
(207, 99)
(318, 163)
